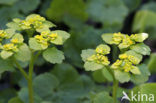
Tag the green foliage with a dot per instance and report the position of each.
(75, 8)
(45, 84)
(16, 9)
(144, 75)
(102, 96)
(53, 55)
(147, 88)
(24, 53)
(144, 21)
(15, 100)
(141, 48)
(8, 2)
(107, 10)
(7, 65)
(122, 76)
(151, 63)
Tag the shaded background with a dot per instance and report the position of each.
(86, 21)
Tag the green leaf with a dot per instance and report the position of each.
(141, 37)
(45, 84)
(35, 45)
(107, 37)
(107, 74)
(8, 2)
(13, 25)
(65, 73)
(98, 76)
(62, 37)
(141, 48)
(6, 54)
(132, 4)
(15, 100)
(23, 95)
(151, 6)
(92, 66)
(135, 70)
(10, 32)
(122, 76)
(149, 89)
(75, 8)
(19, 37)
(24, 53)
(143, 77)
(107, 10)
(152, 63)
(7, 65)
(87, 53)
(53, 55)
(29, 5)
(69, 78)
(103, 97)
(143, 19)
(6, 94)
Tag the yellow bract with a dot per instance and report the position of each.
(100, 59)
(36, 21)
(3, 35)
(46, 37)
(10, 47)
(117, 38)
(53, 36)
(125, 65)
(41, 40)
(99, 56)
(15, 41)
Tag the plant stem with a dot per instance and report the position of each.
(21, 69)
(115, 85)
(30, 86)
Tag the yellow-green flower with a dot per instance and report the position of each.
(24, 24)
(3, 35)
(10, 47)
(15, 41)
(116, 64)
(41, 40)
(45, 33)
(124, 65)
(117, 38)
(52, 36)
(36, 21)
(126, 42)
(100, 59)
(103, 49)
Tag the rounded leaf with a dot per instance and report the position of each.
(53, 55)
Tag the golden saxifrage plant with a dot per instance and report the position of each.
(26, 48)
(126, 65)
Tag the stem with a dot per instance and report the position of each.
(30, 86)
(21, 69)
(115, 85)
(31, 69)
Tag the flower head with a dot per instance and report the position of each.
(10, 47)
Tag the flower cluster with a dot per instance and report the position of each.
(35, 21)
(14, 43)
(3, 35)
(127, 61)
(125, 41)
(99, 57)
(46, 37)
